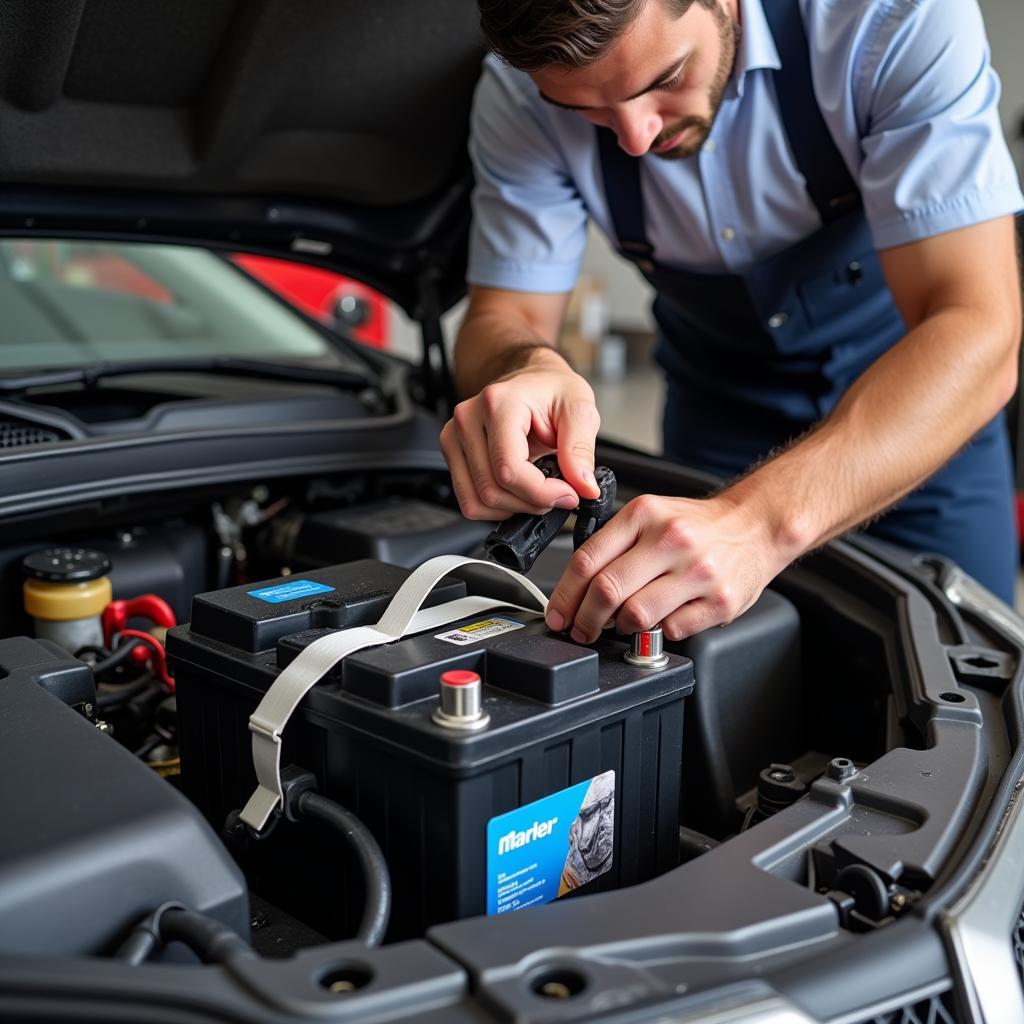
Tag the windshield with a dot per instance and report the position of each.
(68, 303)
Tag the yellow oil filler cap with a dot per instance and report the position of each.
(65, 592)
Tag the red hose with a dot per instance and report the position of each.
(156, 654)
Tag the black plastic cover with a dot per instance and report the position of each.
(92, 839)
(742, 715)
(401, 531)
(251, 623)
(543, 668)
(47, 664)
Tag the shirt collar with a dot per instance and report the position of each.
(757, 46)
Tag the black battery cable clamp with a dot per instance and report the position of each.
(518, 542)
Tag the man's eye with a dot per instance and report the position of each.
(670, 82)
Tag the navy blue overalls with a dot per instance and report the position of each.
(753, 360)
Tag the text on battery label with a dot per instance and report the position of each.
(476, 631)
(552, 846)
(289, 591)
(538, 830)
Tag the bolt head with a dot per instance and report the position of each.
(840, 769)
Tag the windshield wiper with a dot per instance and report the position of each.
(226, 365)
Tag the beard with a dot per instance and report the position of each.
(699, 128)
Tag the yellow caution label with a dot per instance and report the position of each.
(476, 631)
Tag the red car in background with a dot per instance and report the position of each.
(329, 297)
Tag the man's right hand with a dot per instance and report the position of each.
(492, 439)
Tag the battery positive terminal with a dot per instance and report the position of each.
(646, 649)
(460, 701)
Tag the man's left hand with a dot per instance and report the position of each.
(686, 564)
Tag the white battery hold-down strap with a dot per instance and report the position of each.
(402, 616)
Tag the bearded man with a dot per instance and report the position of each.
(821, 196)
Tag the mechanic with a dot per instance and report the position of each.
(837, 294)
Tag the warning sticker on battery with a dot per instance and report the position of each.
(476, 631)
(551, 847)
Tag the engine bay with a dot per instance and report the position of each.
(574, 777)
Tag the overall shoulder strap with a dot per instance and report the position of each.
(829, 182)
(621, 175)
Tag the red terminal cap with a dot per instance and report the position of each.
(459, 677)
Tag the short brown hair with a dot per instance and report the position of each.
(534, 34)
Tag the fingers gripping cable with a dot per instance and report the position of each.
(401, 617)
(518, 542)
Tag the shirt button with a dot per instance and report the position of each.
(777, 320)
(710, 146)
(728, 234)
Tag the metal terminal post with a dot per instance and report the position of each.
(646, 650)
(460, 702)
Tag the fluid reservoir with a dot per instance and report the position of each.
(65, 592)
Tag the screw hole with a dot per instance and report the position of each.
(346, 978)
(953, 698)
(559, 984)
(981, 662)
(842, 762)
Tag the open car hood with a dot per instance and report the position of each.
(332, 133)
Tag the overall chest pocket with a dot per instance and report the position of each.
(825, 291)
(847, 298)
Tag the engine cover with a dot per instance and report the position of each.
(92, 839)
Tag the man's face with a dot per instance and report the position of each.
(661, 84)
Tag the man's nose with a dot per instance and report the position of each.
(637, 129)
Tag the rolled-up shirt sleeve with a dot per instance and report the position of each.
(529, 221)
(934, 158)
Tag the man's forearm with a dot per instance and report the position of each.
(899, 423)
(490, 345)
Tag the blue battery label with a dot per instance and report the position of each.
(550, 847)
(289, 591)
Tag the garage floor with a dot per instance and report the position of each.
(631, 408)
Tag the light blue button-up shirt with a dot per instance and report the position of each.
(906, 89)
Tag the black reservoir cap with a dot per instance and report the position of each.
(542, 668)
(255, 616)
(66, 565)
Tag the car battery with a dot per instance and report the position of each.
(569, 783)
